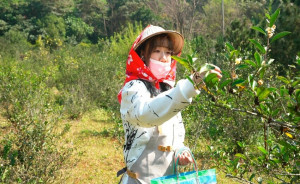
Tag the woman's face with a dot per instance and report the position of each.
(162, 54)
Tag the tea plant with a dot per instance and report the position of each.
(252, 114)
(28, 151)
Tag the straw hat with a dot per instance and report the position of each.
(152, 31)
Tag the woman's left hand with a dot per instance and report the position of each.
(185, 158)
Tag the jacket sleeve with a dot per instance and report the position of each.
(138, 108)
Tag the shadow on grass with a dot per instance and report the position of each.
(94, 133)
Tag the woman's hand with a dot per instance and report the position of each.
(185, 158)
(198, 77)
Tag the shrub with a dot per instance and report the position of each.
(250, 118)
(28, 151)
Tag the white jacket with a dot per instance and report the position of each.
(141, 114)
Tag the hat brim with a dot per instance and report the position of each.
(176, 38)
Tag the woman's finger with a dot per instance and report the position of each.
(216, 68)
(218, 73)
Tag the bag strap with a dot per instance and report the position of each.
(122, 171)
(176, 161)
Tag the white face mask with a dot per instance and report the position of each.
(159, 69)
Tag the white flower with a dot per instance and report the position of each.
(238, 61)
(271, 30)
(268, 29)
(234, 75)
(270, 35)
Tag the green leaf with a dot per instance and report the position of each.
(215, 80)
(280, 35)
(275, 112)
(238, 81)
(225, 83)
(252, 63)
(283, 91)
(263, 150)
(226, 55)
(180, 59)
(189, 78)
(264, 108)
(234, 52)
(297, 92)
(241, 66)
(210, 76)
(211, 79)
(184, 62)
(240, 155)
(268, 16)
(283, 79)
(259, 29)
(229, 47)
(262, 73)
(251, 177)
(190, 59)
(274, 17)
(262, 93)
(273, 89)
(295, 83)
(258, 46)
(257, 58)
(241, 144)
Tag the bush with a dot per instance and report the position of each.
(28, 151)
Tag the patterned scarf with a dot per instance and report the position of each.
(136, 69)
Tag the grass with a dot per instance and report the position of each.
(97, 156)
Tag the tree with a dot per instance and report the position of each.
(77, 28)
(94, 13)
(211, 20)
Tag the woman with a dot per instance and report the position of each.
(151, 105)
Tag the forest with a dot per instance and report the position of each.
(62, 59)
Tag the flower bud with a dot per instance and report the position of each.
(260, 82)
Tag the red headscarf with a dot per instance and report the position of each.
(136, 69)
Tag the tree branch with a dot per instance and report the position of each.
(287, 174)
(287, 124)
(239, 179)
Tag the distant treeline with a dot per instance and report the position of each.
(75, 21)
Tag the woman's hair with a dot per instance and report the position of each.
(145, 49)
(152, 89)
